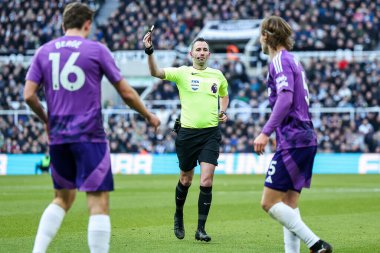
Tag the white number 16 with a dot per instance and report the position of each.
(67, 69)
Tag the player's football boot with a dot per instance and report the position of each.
(179, 229)
(201, 235)
(325, 248)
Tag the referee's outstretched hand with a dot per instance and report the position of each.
(148, 40)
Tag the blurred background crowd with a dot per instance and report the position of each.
(318, 26)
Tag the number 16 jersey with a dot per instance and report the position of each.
(70, 69)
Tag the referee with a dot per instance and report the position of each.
(199, 137)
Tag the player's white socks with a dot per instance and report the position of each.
(292, 241)
(292, 221)
(50, 222)
(99, 233)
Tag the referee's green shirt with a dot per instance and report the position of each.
(199, 91)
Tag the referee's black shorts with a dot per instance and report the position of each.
(200, 145)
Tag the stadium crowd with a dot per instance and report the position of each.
(318, 25)
(332, 83)
(26, 25)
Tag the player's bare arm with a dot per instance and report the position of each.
(223, 101)
(30, 96)
(153, 68)
(132, 99)
(260, 142)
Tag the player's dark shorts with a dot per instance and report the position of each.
(291, 169)
(83, 165)
(200, 145)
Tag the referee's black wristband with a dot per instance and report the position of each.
(223, 113)
(149, 50)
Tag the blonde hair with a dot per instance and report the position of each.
(278, 31)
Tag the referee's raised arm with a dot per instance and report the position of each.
(149, 49)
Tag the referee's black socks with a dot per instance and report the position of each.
(204, 204)
(180, 197)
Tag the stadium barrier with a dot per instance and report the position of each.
(236, 110)
(229, 163)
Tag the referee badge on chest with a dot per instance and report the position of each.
(194, 84)
(214, 88)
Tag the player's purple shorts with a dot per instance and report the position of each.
(83, 165)
(291, 169)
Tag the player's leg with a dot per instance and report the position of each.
(291, 240)
(182, 188)
(204, 200)
(99, 225)
(94, 177)
(63, 174)
(272, 203)
(52, 218)
(290, 170)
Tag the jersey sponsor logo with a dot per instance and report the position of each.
(214, 88)
(194, 84)
(281, 81)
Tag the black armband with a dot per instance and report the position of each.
(149, 50)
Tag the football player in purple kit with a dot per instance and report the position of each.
(291, 167)
(70, 70)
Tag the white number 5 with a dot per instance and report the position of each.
(272, 168)
(67, 69)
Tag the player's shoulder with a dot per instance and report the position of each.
(100, 45)
(75, 42)
(96, 45)
(284, 59)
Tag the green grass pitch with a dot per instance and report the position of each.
(343, 209)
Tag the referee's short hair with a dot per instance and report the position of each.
(196, 40)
